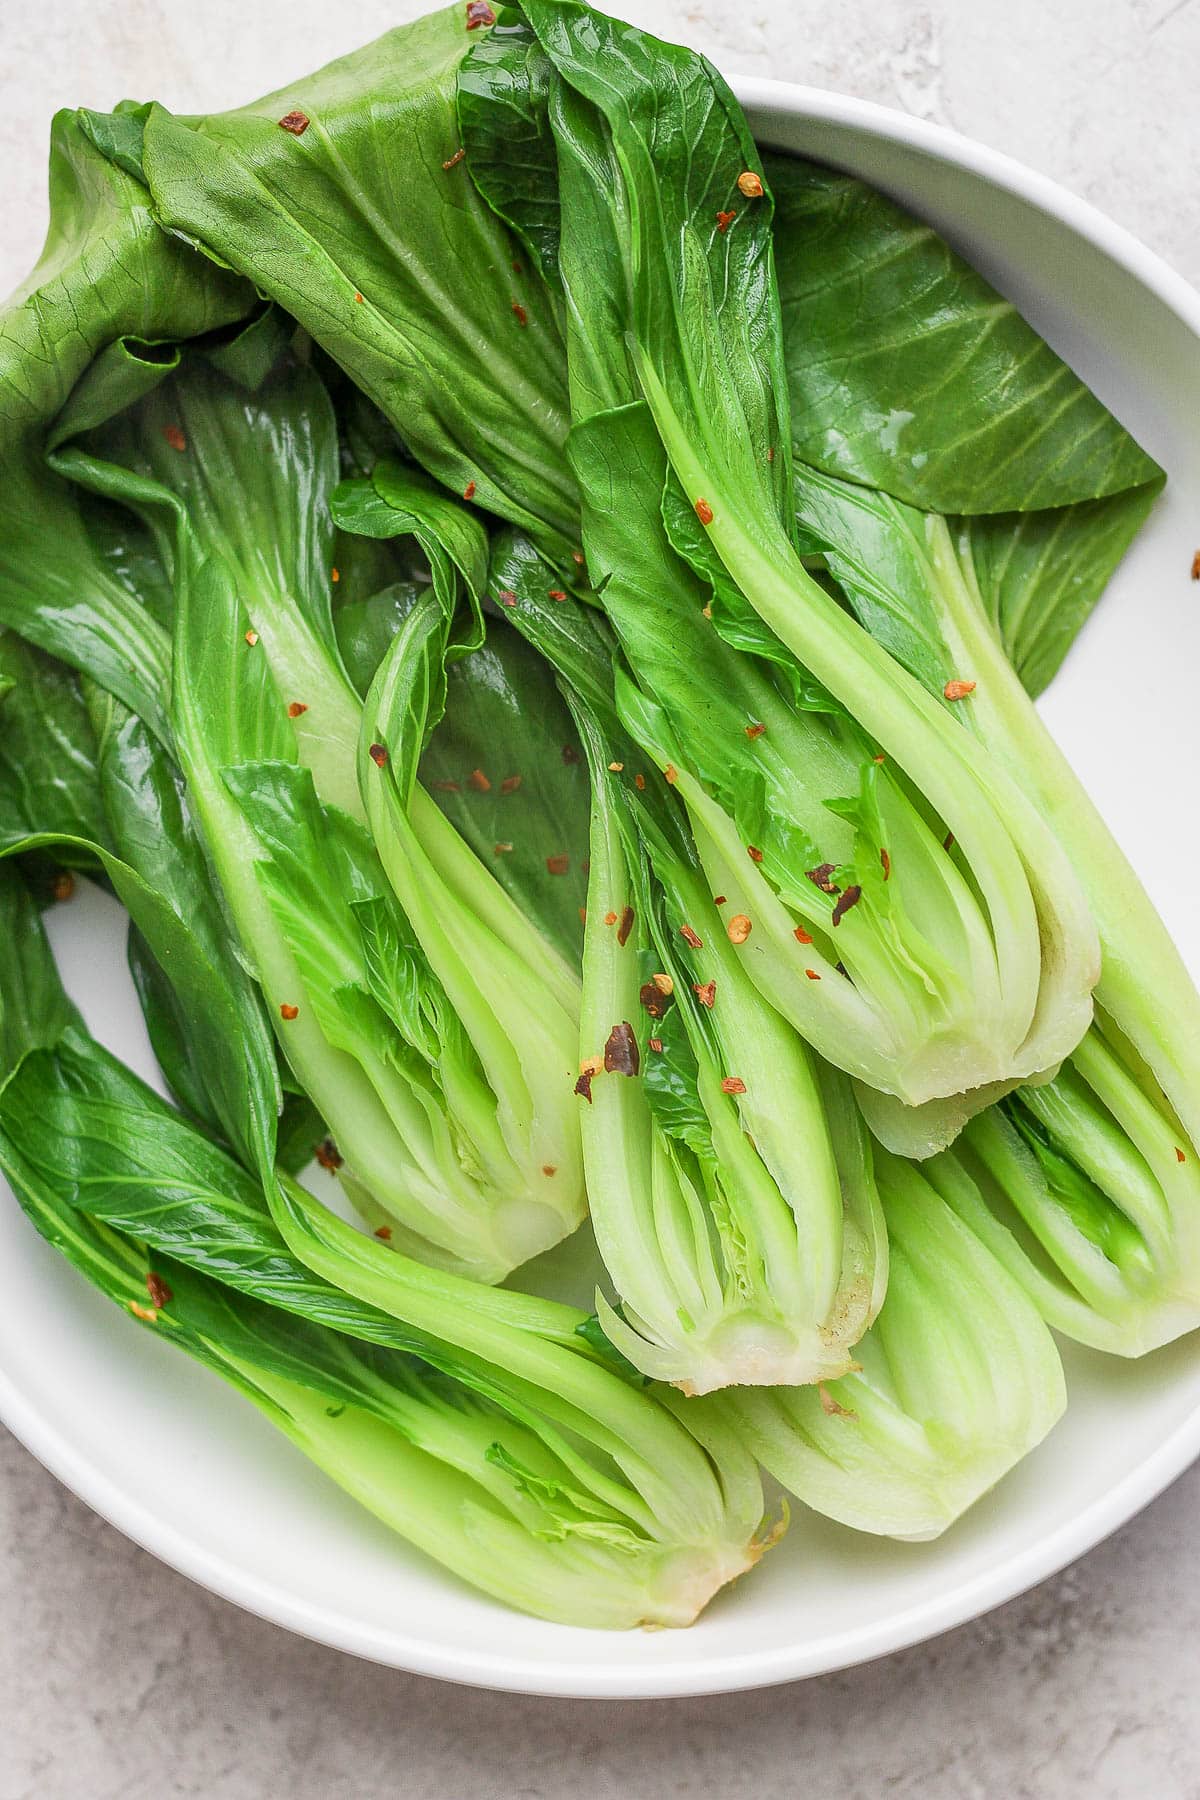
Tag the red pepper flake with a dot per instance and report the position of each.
(443, 787)
(252, 637)
(583, 915)
(507, 597)
(812, 974)
(175, 437)
(704, 512)
(328, 1154)
(886, 863)
(479, 13)
(821, 877)
(755, 731)
(289, 1012)
(671, 774)
(295, 122)
(616, 767)
(296, 708)
(739, 928)
(577, 556)
(653, 999)
(844, 902)
(621, 1051)
(570, 755)
(639, 782)
(663, 983)
(706, 993)
(655, 1045)
(750, 184)
(469, 491)
(558, 593)
(958, 690)
(610, 918)
(625, 927)
(1196, 566)
(691, 937)
(724, 221)
(158, 1290)
(479, 781)
(801, 936)
(557, 865)
(948, 841)
(519, 313)
(358, 299)
(452, 162)
(384, 1232)
(334, 575)
(770, 453)
(518, 268)
(718, 899)
(733, 1084)
(583, 1087)
(754, 853)
(879, 759)
(143, 1312)
(379, 756)
(501, 849)
(63, 885)
(510, 784)
(549, 1169)
(1179, 1156)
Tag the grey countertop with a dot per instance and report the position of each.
(119, 1676)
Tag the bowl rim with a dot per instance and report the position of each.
(608, 1677)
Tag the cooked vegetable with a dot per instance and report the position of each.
(532, 606)
(480, 1425)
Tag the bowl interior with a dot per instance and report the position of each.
(173, 1458)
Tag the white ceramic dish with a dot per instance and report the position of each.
(173, 1459)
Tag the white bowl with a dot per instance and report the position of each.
(174, 1459)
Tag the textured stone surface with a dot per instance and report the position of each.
(119, 1676)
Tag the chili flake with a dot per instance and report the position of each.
(706, 993)
(583, 1087)
(452, 162)
(63, 885)
(1179, 1156)
(671, 774)
(358, 299)
(691, 937)
(948, 841)
(558, 593)
(724, 221)
(621, 1051)
(507, 597)
(577, 556)
(328, 1154)
(591, 1065)
(510, 784)
(479, 781)
(770, 453)
(879, 759)
(655, 1045)
(175, 437)
(704, 512)
(958, 690)
(296, 707)
(479, 13)
(143, 1312)
(557, 865)
(639, 782)
(501, 849)
(733, 1084)
(654, 1002)
(1196, 566)
(718, 899)
(755, 731)
(384, 1232)
(616, 767)
(886, 863)
(739, 928)
(812, 974)
(295, 122)
(844, 902)
(750, 184)
(626, 926)
(754, 853)
(549, 1169)
(519, 313)
(469, 491)
(334, 575)
(252, 637)
(379, 756)
(610, 918)
(801, 936)
(663, 983)
(158, 1290)
(821, 877)
(289, 1012)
